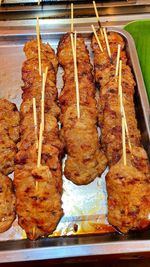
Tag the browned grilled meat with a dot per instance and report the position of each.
(128, 196)
(31, 51)
(9, 135)
(85, 160)
(39, 209)
(7, 203)
(39, 190)
(127, 185)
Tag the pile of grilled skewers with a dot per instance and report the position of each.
(128, 185)
(9, 136)
(39, 187)
(85, 159)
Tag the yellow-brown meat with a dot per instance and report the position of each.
(38, 206)
(9, 135)
(7, 203)
(31, 51)
(85, 160)
(39, 189)
(128, 197)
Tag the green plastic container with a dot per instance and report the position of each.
(140, 31)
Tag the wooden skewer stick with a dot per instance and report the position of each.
(98, 18)
(126, 128)
(119, 79)
(35, 122)
(117, 62)
(124, 142)
(107, 44)
(40, 146)
(43, 95)
(122, 110)
(122, 117)
(39, 46)
(34, 231)
(72, 28)
(42, 119)
(74, 48)
(97, 39)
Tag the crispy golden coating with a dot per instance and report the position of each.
(128, 197)
(9, 135)
(85, 161)
(30, 73)
(49, 106)
(31, 51)
(7, 203)
(111, 123)
(39, 189)
(101, 59)
(64, 51)
(38, 200)
(127, 185)
(9, 119)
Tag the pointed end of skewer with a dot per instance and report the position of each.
(97, 39)
(107, 43)
(111, 60)
(72, 27)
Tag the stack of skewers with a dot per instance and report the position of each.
(9, 136)
(128, 180)
(38, 176)
(85, 159)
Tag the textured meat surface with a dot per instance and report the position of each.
(9, 135)
(7, 203)
(39, 187)
(38, 207)
(128, 198)
(128, 184)
(85, 159)
(31, 51)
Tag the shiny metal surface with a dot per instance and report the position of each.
(62, 10)
(74, 246)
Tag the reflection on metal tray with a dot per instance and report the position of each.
(29, 9)
(65, 1)
(11, 46)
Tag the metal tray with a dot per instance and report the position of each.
(11, 58)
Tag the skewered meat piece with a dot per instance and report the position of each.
(9, 135)
(101, 59)
(8, 151)
(109, 91)
(111, 125)
(64, 51)
(7, 203)
(52, 148)
(128, 197)
(39, 189)
(39, 209)
(30, 74)
(127, 185)
(9, 119)
(31, 51)
(27, 106)
(85, 160)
